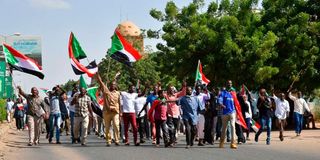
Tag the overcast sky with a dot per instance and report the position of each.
(93, 23)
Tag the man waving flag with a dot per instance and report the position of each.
(20, 62)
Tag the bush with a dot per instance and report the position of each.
(317, 113)
(3, 111)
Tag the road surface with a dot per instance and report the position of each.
(14, 147)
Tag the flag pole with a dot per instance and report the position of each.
(109, 61)
(196, 81)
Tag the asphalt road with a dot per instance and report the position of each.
(14, 146)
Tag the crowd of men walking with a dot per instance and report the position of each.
(201, 114)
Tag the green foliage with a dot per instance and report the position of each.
(143, 70)
(69, 85)
(3, 111)
(235, 42)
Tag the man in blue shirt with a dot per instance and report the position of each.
(228, 115)
(190, 106)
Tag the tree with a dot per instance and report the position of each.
(235, 42)
(144, 70)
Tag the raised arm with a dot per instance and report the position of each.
(292, 97)
(103, 87)
(21, 92)
(183, 90)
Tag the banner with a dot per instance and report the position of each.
(28, 45)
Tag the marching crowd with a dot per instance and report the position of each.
(153, 114)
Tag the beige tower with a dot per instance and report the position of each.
(132, 34)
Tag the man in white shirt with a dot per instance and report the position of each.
(141, 114)
(129, 114)
(203, 97)
(282, 112)
(9, 107)
(300, 106)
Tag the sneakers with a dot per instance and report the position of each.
(233, 146)
(30, 144)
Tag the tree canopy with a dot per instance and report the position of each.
(273, 46)
(270, 47)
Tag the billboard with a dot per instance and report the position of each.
(2, 79)
(28, 45)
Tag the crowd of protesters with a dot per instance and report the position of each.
(154, 113)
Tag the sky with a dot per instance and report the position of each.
(92, 22)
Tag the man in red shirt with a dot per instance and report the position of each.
(158, 115)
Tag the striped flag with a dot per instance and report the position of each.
(255, 126)
(200, 77)
(76, 53)
(20, 62)
(123, 51)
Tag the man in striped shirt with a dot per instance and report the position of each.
(82, 104)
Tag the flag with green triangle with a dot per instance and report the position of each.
(122, 51)
(200, 77)
(83, 83)
(20, 62)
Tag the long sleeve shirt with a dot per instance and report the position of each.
(300, 105)
(158, 111)
(282, 108)
(203, 97)
(190, 107)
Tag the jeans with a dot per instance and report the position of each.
(55, 121)
(298, 118)
(19, 123)
(248, 122)
(264, 120)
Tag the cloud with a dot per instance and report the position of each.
(50, 4)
